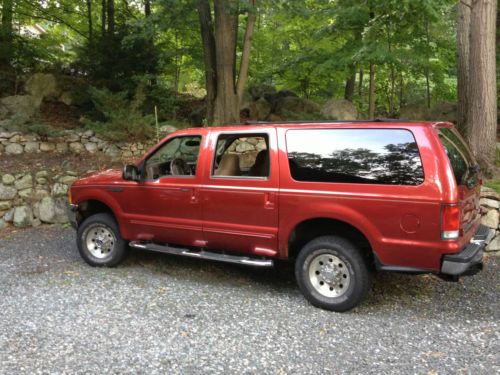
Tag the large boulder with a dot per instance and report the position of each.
(7, 192)
(291, 107)
(261, 91)
(23, 106)
(339, 109)
(259, 109)
(443, 111)
(41, 86)
(416, 111)
(52, 210)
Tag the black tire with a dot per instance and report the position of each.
(342, 251)
(106, 224)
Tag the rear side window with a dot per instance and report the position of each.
(364, 156)
(458, 153)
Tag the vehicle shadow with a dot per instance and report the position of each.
(419, 295)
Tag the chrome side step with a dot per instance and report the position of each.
(202, 254)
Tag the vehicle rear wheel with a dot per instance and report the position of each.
(332, 273)
(99, 241)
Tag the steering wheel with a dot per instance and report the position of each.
(179, 167)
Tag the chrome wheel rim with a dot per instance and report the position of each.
(329, 275)
(100, 241)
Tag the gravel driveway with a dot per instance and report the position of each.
(164, 314)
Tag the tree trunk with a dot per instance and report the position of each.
(371, 93)
(147, 8)
(360, 84)
(463, 36)
(350, 84)
(427, 73)
(245, 55)
(6, 34)
(89, 22)
(103, 18)
(208, 41)
(226, 106)
(111, 18)
(482, 82)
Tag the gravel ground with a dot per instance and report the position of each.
(160, 314)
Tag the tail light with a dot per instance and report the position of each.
(450, 221)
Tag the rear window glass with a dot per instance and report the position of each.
(365, 156)
(458, 153)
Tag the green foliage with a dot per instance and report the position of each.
(122, 118)
(493, 184)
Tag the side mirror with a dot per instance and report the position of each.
(130, 173)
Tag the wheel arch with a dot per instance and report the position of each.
(311, 228)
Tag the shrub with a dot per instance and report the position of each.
(122, 117)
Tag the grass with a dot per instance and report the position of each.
(493, 184)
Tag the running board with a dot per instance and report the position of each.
(202, 254)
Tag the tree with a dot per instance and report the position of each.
(6, 34)
(463, 32)
(482, 103)
(219, 46)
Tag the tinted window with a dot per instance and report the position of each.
(458, 153)
(365, 156)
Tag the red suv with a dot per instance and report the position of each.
(339, 199)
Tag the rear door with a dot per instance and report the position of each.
(466, 172)
(240, 191)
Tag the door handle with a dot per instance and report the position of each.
(269, 199)
(184, 189)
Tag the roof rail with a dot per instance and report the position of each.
(250, 122)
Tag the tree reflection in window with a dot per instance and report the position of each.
(379, 163)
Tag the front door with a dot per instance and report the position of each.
(240, 192)
(165, 205)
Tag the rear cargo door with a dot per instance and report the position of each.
(466, 171)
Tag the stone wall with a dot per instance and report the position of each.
(77, 142)
(490, 202)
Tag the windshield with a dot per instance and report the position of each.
(462, 162)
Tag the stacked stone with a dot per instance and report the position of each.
(490, 202)
(76, 142)
(32, 199)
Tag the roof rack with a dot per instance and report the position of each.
(248, 122)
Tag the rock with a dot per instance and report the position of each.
(67, 180)
(7, 192)
(491, 219)
(339, 109)
(66, 97)
(443, 111)
(9, 216)
(72, 137)
(23, 105)
(24, 182)
(59, 190)
(47, 210)
(245, 147)
(76, 147)
(494, 245)
(71, 173)
(42, 173)
(490, 203)
(127, 154)
(293, 108)
(47, 146)
(25, 193)
(112, 151)
(31, 147)
(39, 194)
(260, 91)
(36, 223)
(88, 133)
(259, 109)
(14, 149)
(23, 216)
(91, 147)
(62, 147)
(490, 194)
(41, 86)
(3, 224)
(167, 129)
(41, 180)
(8, 179)
(5, 205)
(15, 138)
(414, 111)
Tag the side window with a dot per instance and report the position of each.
(244, 156)
(177, 157)
(363, 156)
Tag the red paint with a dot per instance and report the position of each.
(257, 216)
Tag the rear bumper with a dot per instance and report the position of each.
(71, 211)
(469, 260)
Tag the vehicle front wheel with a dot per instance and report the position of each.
(332, 273)
(99, 241)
